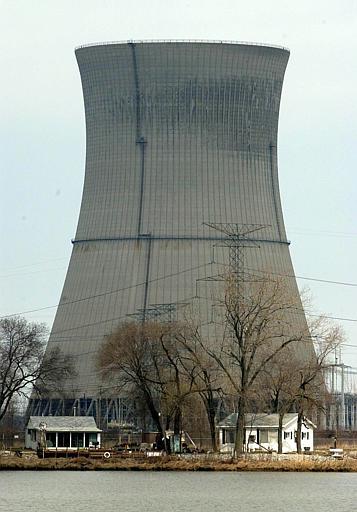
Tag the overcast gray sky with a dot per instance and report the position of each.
(43, 132)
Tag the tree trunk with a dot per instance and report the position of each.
(239, 441)
(212, 427)
(177, 421)
(280, 433)
(298, 432)
(211, 416)
(153, 411)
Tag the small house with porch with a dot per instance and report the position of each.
(62, 432)
(261, 433)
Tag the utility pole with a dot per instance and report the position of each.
(340, 419)
(343, 422)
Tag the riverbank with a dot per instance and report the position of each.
(296, 464)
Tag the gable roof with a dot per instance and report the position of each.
(261, 420)
(64, 423)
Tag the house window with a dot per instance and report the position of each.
(263, 436)
(230, 436)
(305, 435)
(286, 435)
(251, 439)
(77, 439)
(32, 434)
(91, 439)
(51, 439)
(227, 436)
(63, 439)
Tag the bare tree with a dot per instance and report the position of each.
(144, 360)
(180, 379)
(292, 383)
(277, 387)
(258, 319)
(309, 388)
(132, 357)
(163, 364)
(23, 364)
(201, 370)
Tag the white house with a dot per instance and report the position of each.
(261, 432)
(69, 432)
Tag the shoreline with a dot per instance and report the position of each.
(308, 464)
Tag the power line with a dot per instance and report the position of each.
(89, 297)
(343, 283)
(342, 319)
(38, 263)
(126, 317)
(338, 234)
(291, 276)
(33, 272)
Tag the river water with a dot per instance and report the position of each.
(50, 491)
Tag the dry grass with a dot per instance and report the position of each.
(175, 464)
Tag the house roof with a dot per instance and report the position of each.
(261, 420)
(64, 423)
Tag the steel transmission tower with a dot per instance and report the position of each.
(237, 238)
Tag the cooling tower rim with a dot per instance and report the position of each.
(184, 41)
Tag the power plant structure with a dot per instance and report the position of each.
(181, 175)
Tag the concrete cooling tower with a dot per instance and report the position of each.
(181, 159)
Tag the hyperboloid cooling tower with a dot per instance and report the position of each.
(181, 159)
